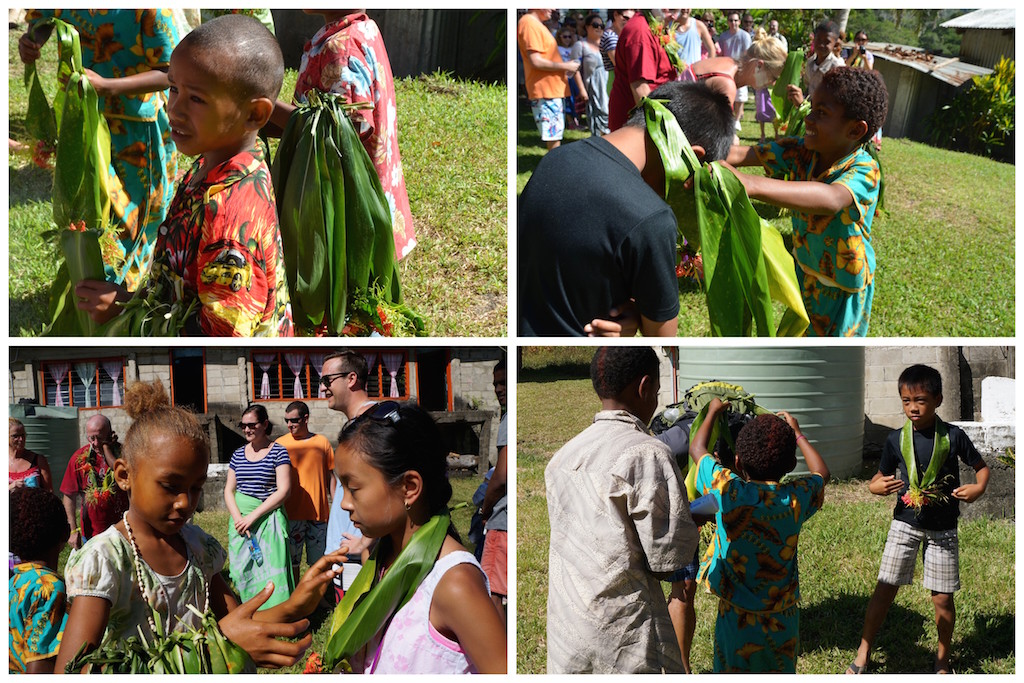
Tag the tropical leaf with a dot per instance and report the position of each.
(369, 603)
(744, 266)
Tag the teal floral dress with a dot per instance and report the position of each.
(835, 262)
(751, 565)
(118, 43)
(36, 609)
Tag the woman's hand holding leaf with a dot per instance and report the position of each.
(28, 49)
(795, 94)
(101, 300)
(100, 84)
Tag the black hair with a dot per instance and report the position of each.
(766, 448)
(38, 523)
(862, 95)
(299, 406)
(858, 34)
(704, 115)
(241, 53)
(500, 366)
(590, 18)
(352, 361)
(921, 377)
(410, 442)
(261, 415)
(827, 26)
(614, 368)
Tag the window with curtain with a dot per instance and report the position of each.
(295, 374)
(91, 383)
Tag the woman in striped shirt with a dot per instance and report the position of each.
(258, 484)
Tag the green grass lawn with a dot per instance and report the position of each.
(840, 548)
(453, 137)
(215, 523)
(944, 245)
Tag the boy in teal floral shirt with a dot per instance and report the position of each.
(830, 183)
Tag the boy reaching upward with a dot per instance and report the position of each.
(831, 185)
(220, 241)
(922, 456)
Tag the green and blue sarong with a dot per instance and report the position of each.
(271, 533)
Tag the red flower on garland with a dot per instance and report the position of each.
(314, 665)
(42, 154)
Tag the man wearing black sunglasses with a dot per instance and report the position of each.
(344, 380)
(313, 485)
(343, 377)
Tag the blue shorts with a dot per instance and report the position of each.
(687, 573)
(549, 117)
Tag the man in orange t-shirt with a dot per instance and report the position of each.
(546, 74)
(313, 483)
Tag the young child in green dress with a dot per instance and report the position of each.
(830, 183)
(751, 562)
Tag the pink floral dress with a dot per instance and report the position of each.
(347, 57)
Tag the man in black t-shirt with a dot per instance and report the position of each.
(920, 463)
(594, 229)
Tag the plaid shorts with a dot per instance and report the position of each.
(549, 117)
(941, 557)
(687, 573)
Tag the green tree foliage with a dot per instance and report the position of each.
(981, 119)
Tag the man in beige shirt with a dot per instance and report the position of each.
(620, 523)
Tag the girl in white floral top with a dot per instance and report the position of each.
(163, 467)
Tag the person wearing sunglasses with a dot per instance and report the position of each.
(343, 377)
(594, 76)
(546, 75)
(313, 484)
(258, 483)
(734, 43)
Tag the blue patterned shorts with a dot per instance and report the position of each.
(549, 117)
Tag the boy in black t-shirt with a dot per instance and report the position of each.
(919, 462)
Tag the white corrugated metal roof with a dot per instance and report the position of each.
(947, 69)
(984, 18)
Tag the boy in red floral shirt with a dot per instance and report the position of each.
(220, 242)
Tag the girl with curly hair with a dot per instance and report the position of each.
(751, 563)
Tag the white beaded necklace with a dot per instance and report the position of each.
(142, 587)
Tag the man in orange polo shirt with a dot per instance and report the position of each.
(313, 484)
(546, 74)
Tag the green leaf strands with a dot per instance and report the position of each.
(742, 271)
(370, 602)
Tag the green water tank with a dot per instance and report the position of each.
(822, 387)
(51, 431)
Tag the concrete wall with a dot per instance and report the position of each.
(228, 386)
(962, 370)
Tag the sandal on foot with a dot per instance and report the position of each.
(854, 669)
(940, 669)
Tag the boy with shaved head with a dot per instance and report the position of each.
(220, 242)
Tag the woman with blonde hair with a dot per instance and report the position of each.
(759, 67)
